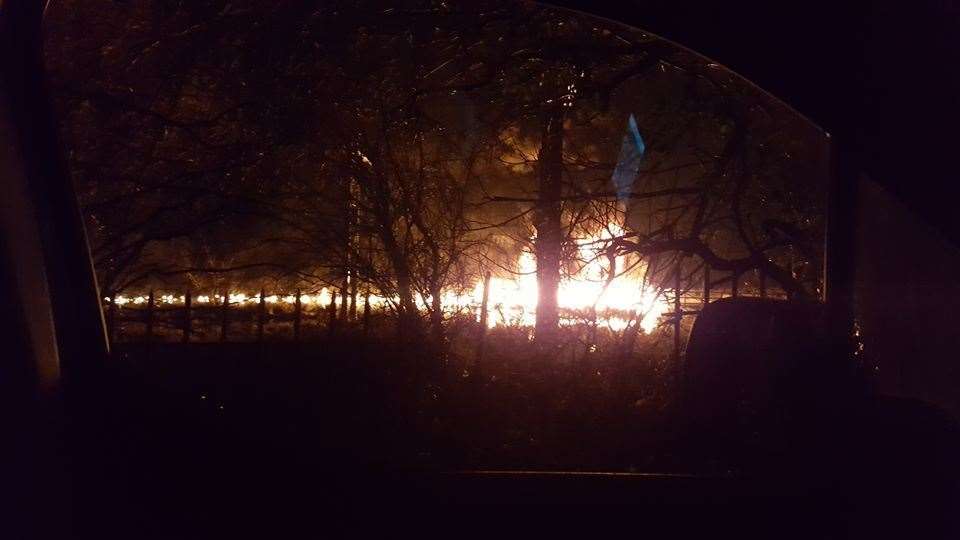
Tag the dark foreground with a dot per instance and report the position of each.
(240, 441)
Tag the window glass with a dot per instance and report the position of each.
(470, 235)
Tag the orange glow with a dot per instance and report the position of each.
(516, 298)
(513, 300)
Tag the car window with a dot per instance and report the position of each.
(472, 235)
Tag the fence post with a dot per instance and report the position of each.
(344, 295)
(353, 297)
(112, 319)
(332, 308)
(187, 316)
(677, 312)
(706, 283)
(224, 315)
(261, 315)
(150, 316)
(297, 315)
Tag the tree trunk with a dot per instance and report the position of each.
(548, 224)
(353, 296)
(366, 314)
(348, 230)
(409, 319)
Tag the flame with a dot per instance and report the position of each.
(513, 300)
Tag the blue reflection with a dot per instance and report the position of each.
(628, 164)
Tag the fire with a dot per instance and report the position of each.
(513, 300)
(516, 299)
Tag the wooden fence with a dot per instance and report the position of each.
(185, 319)
(218, 318)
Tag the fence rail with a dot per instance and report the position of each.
(229, 316)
